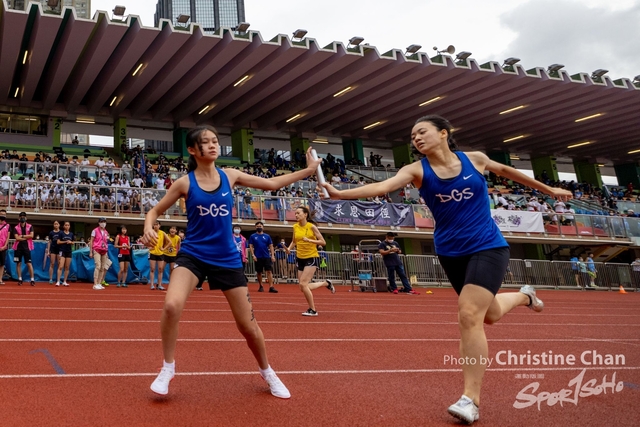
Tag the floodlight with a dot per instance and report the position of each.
(636, 79)
(355, 41)
(242, 27)
(511, 61)
(413, 48)
(119, 11)
(554, 68)
(183, 19)
(463, 55)
(599, 73)
(299, 34)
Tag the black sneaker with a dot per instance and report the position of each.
(310, 312)
(331, 287)
(260, 289)
(273, 290)
(33, 283)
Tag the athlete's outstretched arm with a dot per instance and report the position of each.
(240, 178)
(481, 160)
(177, 190)
(409, 173)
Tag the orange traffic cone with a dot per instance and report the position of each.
(622, 291)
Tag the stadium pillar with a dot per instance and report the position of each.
(588, 172)
(402, 154)
(119, 134)
(628, 173)
(409, 246)
(352, 149)
(57, 131)
(333, 242)
(533, 251)
(501, 157)
(300, 143)
(547, 163)
(242, 145)
(180, 141)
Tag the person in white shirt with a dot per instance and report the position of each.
(533, 205)
(100, 162)
(82, 200)
(502, 200)
(70, 200)
(160, 182)
(6, 182)
(137, 181)
(569, 215)
(84, 170)
(511, 206)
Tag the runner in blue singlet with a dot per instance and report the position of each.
(468, 243)
(208, 251)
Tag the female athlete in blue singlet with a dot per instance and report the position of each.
(468, 243)
(208, 250)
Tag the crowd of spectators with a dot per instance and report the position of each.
(142, 169)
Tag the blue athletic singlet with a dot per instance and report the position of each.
(209, 235)
(461, 210)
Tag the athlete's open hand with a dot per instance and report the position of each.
(150, 238)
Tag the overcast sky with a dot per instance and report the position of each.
(584, 35)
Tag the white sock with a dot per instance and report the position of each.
(171, 365)
(264, 372)
(19, 278)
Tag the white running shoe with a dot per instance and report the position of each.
(57, 283)
(278, 389)
(330, 286)
(161, 384)
(536, 304)
(97, 287)
(465, 410)
(65, 284)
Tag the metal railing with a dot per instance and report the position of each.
(425, 270)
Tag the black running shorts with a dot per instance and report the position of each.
(19, 254)
(307, 262)
(153, 257)
(263, 264)
(222, 278)
(484, 268)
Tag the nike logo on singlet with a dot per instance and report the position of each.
(466, 177)
(224, 194)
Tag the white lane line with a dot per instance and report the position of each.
(313, 322)
(241, 340)
(259, 310)
(333, 372)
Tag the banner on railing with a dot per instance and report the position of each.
(518, 221)
(352, 212)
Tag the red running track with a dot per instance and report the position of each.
(78, 357)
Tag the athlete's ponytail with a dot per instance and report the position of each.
(440, 123)
(309, 214)
(194, 140)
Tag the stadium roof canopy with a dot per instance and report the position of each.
(64, 66)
